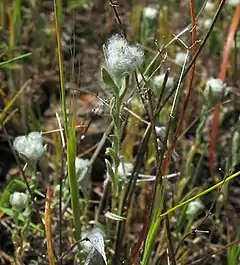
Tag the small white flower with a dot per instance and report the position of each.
(207, 23)
(18, 200)
(31, 146)
(209, 6)
(194, 207)
(158, 81)
(124, 169)
(122, 58)
(233, 2)
(180, 58)
(150, 12)
(215, 84)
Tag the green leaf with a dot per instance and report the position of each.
(12, 186)
(109, 169)
(114, 216)
(109, 82)
(10, 212)
(3, 64)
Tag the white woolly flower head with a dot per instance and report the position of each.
(158, 81)
(122, 58)
(233, 3)
(150, 12)
(180, 58)
(31, 145)
(215, 84)
(209, 6)
(18, 201)
(124, 169)
(194, 208)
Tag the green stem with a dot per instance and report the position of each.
(219, 184)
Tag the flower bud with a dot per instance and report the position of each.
(194, 208)
(18, 201)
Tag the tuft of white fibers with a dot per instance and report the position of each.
(158, 81)
(31, 145)
(18, 201)
(194, 208)
(122, 58)
(180, 58)
(150, 12)
(233, 3)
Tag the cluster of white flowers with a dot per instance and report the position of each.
(31, 146)
(18, 201)
(150, 12)
(194, 208)
(180, 58)
(122, 58)
(158, 81)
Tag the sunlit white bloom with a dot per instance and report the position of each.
(31, 146)
(150, 12)
(207, 23)
(158, 81)
(209, 6)
(18, 201)
(122, 58)
(215, 84)
(180, 58)
(233, 2)
(194, 208)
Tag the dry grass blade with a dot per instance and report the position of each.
(48, 226)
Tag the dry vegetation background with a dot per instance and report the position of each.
(208, 152)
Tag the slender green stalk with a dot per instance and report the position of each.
(199, 195)
(61, 72)
(69, 133)
(17, 18)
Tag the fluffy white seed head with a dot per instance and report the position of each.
(180, 58)
(18, 201)
(31, 146)
(158, 81)
(194, 207)
(150, 12)
(122, 58)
